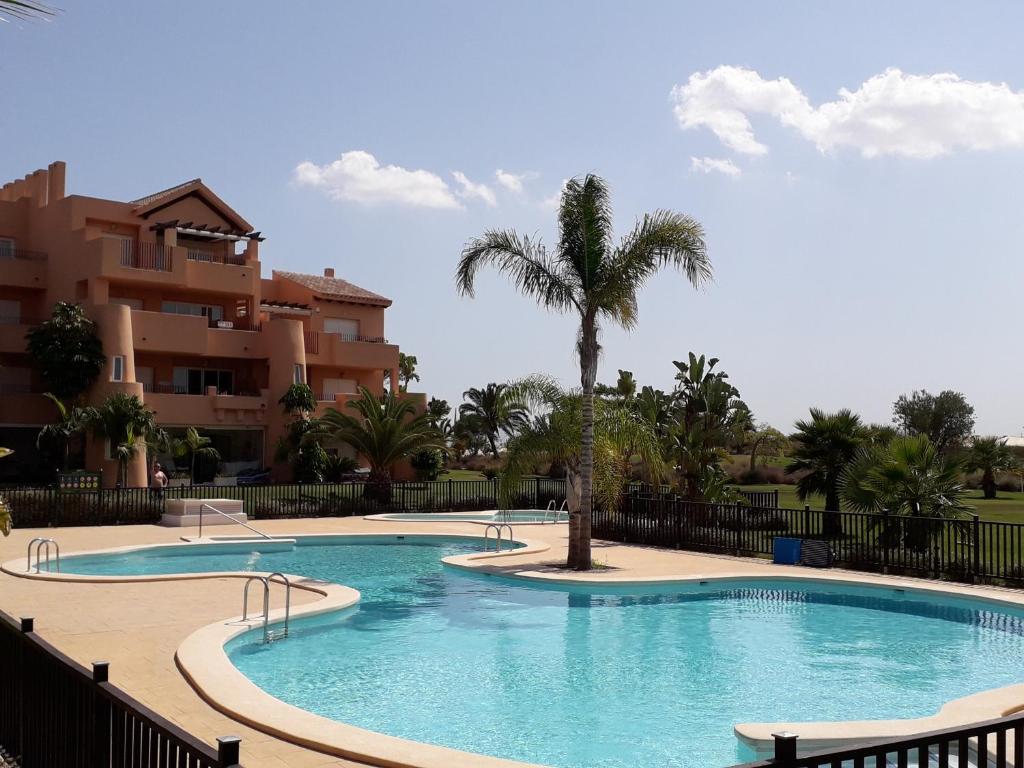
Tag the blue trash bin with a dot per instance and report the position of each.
(785, 551)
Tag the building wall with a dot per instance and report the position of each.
(83, 265)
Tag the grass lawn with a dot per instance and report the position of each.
(1007, 507)
(461, 474)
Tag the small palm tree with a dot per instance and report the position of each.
(495, 411)
(70, 421)
(989, 455)
(129, 426)
(406, 371)
(588, 274)
(384, 430)
(6, 518)
(193, 446)
(823, 448)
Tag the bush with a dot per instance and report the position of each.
(756, 520)
(427, 464)
(491, 472)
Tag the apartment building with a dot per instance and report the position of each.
(189, 320)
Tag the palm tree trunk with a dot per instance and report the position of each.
(579, 534)
(988, 484)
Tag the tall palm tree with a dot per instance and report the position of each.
(588, 274)
(24, 9)
(989, 455)
(193, 446)
(383, 430)
(823, 448)
(406, 371)
(70, 422)
(495, 410)
(129, 426)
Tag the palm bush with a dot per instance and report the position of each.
(493, 411)
(70, 422)
(590, 275)
(195, 446)
(383, 430)
(823, 447)
(129, 425)
(989, 455)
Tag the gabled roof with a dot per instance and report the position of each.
(145, 206)
(333, 288)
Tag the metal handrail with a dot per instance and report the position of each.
(204, 505)
(498, 528)
(266, 581)
(39, 542)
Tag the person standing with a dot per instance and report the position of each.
(159, 481)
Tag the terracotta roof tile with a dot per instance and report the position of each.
(164, 192)
(335, 288)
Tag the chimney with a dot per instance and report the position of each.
(55, 181)
(329, 272)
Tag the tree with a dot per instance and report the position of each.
(589, 275)
(946, 418)
(619, 433)
(6, 517)
(823, 448)
(195, 446)
(438, 411)
(427, 463)
(623, 391)
(25, 9)
(989, 455)
(909, 478)
(383, 430)
(67, 351)
(765, 439)
(298, 400)
(406, 371)
(467, 436)
(495, 410)
(70, 422)
(129, 426)
(307, 459)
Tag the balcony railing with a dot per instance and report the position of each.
(312, 339)
(141, 255)
(238, 324)
(21, 320)
(196, 254)
(166, 388)
(21, 254)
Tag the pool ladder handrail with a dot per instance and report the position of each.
(212, 508)
(498, 528)
(555, 512)
(269, 635)
(39, 542)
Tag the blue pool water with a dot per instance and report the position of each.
(643, 677)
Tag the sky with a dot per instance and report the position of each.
(856, 168)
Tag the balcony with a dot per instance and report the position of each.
(142, 255)
(21, 268)
(194, 335)
(194, 254)
(13, 330)
(372, 352)
(210, 409)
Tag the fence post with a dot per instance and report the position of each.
(101, 715)
(976, 543)
(228, 751)
(885, 540)
(536, 493)
(807, 520)
(451, 502)
(785, 747)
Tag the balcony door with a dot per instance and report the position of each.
(335, 386)
(194, 381)
(347, 329)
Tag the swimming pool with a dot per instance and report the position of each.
(609, 676)
(495, 516)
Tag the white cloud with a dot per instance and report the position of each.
(892, 113)
(513, 182)
(714, 165)
(554, 200)
(471, 190)
(359, 177)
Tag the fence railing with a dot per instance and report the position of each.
(55, 712)
(957, 549)
(7, 252)
(44, 507)
(998, 743)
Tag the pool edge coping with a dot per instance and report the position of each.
(203, 662)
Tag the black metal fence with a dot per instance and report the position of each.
(956, 549)
(998, 743)
(42, 507)
(55, 712)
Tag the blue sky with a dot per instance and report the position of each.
(864, 245)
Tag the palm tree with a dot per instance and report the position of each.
(590, 275)
(384, 430)
(619, 434)
(495, 410)
(25, 9)
(193, 446)
(823, 447)
(406, 371)
(129, 426)
(70, 421)
(989, 455)
(910, 478)
(6, 518)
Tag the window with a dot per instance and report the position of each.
(300, 374)
(117, 368)
(347, 329)
(6, 247)
(212, 311)
(10, 312)
(194, 381)
(133, 303)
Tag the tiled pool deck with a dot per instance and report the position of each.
(138, 626)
